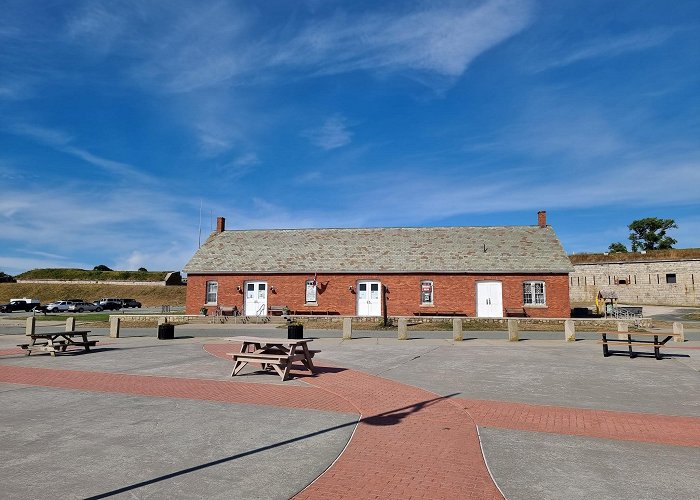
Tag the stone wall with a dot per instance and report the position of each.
(648, 282)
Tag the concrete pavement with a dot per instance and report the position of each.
(149, 418)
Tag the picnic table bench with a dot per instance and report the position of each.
(53, 342)
(656, 344)
(277, 354)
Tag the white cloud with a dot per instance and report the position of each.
(440, 40)
(62, 141)
(608, 47)
(246, 159)
(332, 134)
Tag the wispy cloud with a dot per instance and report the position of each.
(62, 141)
(221, 45)
(608, 47)
(334, 133)
(443, 41)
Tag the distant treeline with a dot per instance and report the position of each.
(91, 275)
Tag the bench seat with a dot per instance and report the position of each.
(515, 312)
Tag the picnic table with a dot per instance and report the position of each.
(656, 344)
(53, 342)
(278, 354)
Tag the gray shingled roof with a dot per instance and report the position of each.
(509, 249)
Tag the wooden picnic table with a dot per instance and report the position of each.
(656, 344)
(278, 354)
(53, 342)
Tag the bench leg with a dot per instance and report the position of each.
(606, 353)
(237, 367)
(657, 353)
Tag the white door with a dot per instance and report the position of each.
(369, 298)
(489, 299)
(256, 298)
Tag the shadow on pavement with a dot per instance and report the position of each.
(391, 417)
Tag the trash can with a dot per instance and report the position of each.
(166, 331)
(295, 331)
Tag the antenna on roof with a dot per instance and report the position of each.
(200, 224)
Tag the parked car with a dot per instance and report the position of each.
(58, 306)
(20, 305)
(108, 304)
(131, 303)
(84, 306)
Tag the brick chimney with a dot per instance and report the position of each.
(220, 224)
(542, 218)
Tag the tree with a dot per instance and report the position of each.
(650, 234)
(101, 267)
(6, 278)
(143, 270)
(617, 247)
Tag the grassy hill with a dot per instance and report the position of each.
(91, 275)
(149, 296)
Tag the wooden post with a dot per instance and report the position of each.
(403, 329)
(513, 330)
(457, 333)
(114, 324)
(678, 329)
(569, 330)
(347, 328)
(30, 327)
(70, 324)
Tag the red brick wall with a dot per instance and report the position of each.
(452, 292)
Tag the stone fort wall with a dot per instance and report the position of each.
(667, 282)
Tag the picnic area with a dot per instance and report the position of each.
(373, 416)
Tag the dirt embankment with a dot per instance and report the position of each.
(149, 296)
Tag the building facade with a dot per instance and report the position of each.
(469, 271)
(668, 277)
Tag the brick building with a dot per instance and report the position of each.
(471, 271)
(662, 277)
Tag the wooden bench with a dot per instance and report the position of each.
(439, 313)
(515, 312)
(629, 342)
(314, 312)
(276, 310)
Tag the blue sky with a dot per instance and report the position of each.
(119, 119)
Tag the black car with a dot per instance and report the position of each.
(20, 305)
(108, 305)
(131, 303)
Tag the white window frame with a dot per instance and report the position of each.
(432, 292)
(211, 291)
(310, 292)
(535, 299)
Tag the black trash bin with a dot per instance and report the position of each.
(166, 331)
(295, 331)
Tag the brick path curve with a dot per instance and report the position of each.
(408, 443)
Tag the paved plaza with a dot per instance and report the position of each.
(542, 418)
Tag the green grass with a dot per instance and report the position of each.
(88, 275)
(148, 295)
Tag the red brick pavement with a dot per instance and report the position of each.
(173, 387)
(625, 426)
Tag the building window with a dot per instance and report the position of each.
(426, 293)
(212, 292)
(533, 293)
(310, 292)
(670, 278)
